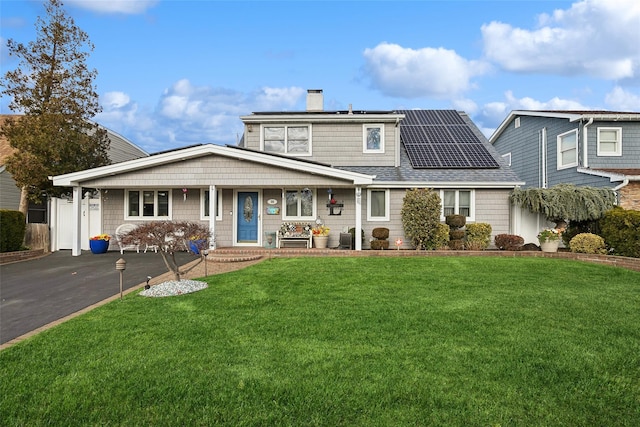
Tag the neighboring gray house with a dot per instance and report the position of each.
(54, 212)
(289, 165)
(585, 148)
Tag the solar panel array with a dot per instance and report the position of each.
(442, 139)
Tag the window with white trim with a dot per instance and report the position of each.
(609, 141)
(148, 204)
(373, 138)
(287, 139)
(299, 204)
(377, 205)
(507, 158)
(457, 202)
(204, 205)
(568, 149)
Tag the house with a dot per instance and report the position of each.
(585, 148)
(55, 212)
(290, 166)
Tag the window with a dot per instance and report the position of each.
(148, 204)
(507, 158)
(298, 204)
(287, 139)
(378, 205)
(517, 122)
(204, 205)
(458, 202)
(373, 138)
(609, 141)
(568, 149)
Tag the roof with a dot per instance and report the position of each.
(76, 178)
(120, 148)
(570, 115)
(451, 132)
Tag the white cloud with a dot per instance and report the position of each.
(413, 73)
(620, 100)
(593, 37)
(127, 7)
(187, 114)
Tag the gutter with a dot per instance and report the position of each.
(585, 157)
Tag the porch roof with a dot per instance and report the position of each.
(193, 152)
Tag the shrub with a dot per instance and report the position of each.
(588, 243)
(379, 244)
(478, 236)
(456, 221)
(380, 233)
(509, 242)
(420, 217)
(12, 228)
(620, 229)
(577, 227)
(457, 234)
(456, 245)
(441, 236)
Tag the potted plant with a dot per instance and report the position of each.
(320, 235)
(549, 239)
(99, 244)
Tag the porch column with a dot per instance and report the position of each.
(358, 227)
(213, 204)
(76, 246)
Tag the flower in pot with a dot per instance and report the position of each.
(99, 244)
(549, 235)
(320, 230)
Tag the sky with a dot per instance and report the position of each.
(178, 73)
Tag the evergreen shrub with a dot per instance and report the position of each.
(478, 236)
(420, 217)
(588, 243)
(620, 229)
(12, 229)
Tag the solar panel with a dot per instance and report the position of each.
(423, 156)
(478, 155)
(437, 134)
(442, 139)
(412, 135)
(462, 134)
(450, 117)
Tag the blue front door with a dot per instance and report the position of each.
(247, 217)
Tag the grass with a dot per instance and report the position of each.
(347, 342)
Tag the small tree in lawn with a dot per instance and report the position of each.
(169, 237)
(421, 216)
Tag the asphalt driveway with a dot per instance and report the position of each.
(37, 292)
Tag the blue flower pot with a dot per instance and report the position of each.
(194, 244)
(98, 246)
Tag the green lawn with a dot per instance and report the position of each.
(347, 342)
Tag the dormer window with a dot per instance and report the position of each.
(373, 138)
(287, 139)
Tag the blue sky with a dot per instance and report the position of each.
(178, 73)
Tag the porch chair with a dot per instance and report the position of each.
(124, 229)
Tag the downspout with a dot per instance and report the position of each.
(542, 136)
(585, 157)
(615, 189)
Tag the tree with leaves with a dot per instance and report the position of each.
(421, 217)
(53, 91)
(566, 202)
(169, 237)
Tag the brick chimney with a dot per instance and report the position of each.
(315, 100)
